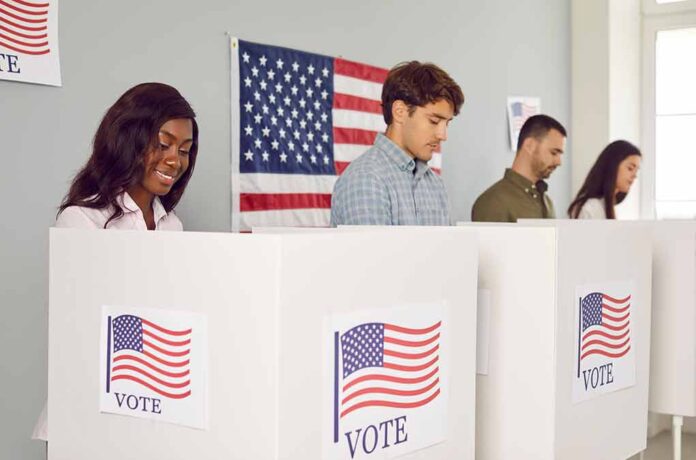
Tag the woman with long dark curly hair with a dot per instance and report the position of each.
(607, 183)
(143, 157)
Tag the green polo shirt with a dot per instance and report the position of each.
(513, 197)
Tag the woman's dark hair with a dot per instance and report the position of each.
(601, 180)
(126, 133)
(419, 84)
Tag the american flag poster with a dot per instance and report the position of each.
(518, 110)
(386, 382)
(154, 365)
(604, 339)
(298, 120)
(29, 41)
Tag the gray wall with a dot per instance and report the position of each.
(493, 48)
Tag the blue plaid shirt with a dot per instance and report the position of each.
(385, 186)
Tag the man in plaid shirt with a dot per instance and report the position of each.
(391, 183)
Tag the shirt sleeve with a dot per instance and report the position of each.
(74, 217)
(361, 199)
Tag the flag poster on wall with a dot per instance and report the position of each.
(29, 41)
(518, 110)
(298, 120)
(154, 365)
(604, 339)
(386, 375)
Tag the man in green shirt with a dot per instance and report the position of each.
(521, 193)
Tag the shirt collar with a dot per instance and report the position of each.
(521, 181)
(129, 205)
(396, 154)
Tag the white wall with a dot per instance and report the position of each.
(606, 85)
(493, 48)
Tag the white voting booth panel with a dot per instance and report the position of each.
(266, 299)
(673, 355)
(526, 406)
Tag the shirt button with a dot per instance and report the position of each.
(526, 190)
(534, 195)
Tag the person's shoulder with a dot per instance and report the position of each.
(80, 217)
(492, 205)
(593, 209)
(494, 193)
(369, 162)
(364, 170)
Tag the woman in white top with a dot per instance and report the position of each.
(143, 156)
(607, 183)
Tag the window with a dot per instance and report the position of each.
(669, 110)
(675, 123)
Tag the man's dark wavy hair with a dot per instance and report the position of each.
(419, 84)
(128, 130)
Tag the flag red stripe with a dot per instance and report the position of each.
(20, 18)
(341, 166)
(399, 367)
(23, 11)
(165, 352)
(166, 331)
(390, 378)
(165, 362)
(605, 344)
(617, 328)
(23, 51)
(153, 388)
(616, 310)
(33, 5)
(31, 29)
(406, 330)
(410, 343)
(604, 334)
(624, 300)
(354, 136)
(390, 391)
(348, 102)
(275, 201)
(361, 71)
(399, 354)
(616, 318)
(380, 403)
(165, 341)
(21, 43)
(604, 353)
(152, 366)
(127, 367)
(19, 34)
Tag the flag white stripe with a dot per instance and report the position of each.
(289, 217)
(356, 87)
(349, 152)
(279, 183)
(359, 120)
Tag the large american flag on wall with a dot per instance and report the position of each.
(298, 120)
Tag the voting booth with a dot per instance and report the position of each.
(568, 340)
(673, 354)
(333, 345)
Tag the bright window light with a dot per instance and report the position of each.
(675, 149)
